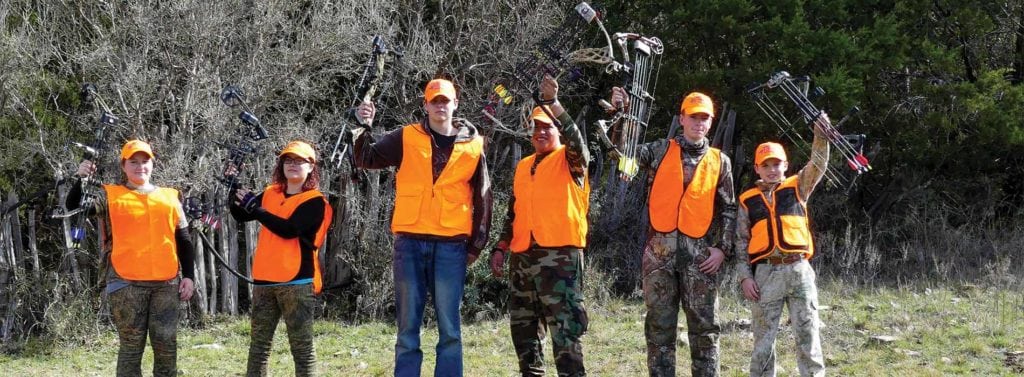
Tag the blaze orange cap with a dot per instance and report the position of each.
(439, 87)
(539, 115)
(769, 150)
(697, 102)
(301, 149)
(135, 146)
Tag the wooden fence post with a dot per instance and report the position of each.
(33, 249)
(252, 230)
(212, 272)
(200, 268)
(229, 250)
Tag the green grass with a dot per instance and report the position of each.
(941, 331)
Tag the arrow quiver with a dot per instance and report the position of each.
(798, 93)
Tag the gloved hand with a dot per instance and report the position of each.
(248, 202)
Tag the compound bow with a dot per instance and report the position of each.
(629, 125)
(373, 73)
(850, 147)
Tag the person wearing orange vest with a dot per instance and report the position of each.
(146, 244)
(691, 206)
(546, 231)
(773, 235)
(295, 217)
(441, 219)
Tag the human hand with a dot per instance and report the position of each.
(366, 111)
(750, 289)
(85, 168)
(246, 200)
(613, 154)
(185, 289)
(822, 122)
(713, 262)
(549, 88)
(497, 263)
(620, 99)
(230, 170)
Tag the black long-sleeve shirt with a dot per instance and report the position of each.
(302, 224)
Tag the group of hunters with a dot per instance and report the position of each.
(441, 220)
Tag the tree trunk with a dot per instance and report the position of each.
(17, 248)
(1018, 48)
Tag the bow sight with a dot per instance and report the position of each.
(232, 96)
(798, 91)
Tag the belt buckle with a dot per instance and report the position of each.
(785, 259)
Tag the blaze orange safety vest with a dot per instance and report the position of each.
(550, 206)
(692, 210)
(782, 224)
(142, 226)
(423, 206)
(278, 259)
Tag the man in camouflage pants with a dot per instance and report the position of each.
(691, 207)
(546, 232)
(773, 238)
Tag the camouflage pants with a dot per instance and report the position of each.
(295, 304)
(547, 292)
(791, 285)
(671, 278)
(143, 308)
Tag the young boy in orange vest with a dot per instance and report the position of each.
(773, 236)
(546, 231)
(441, 219)
(691, 206)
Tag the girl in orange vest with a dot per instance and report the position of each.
(294, 216)
(148, 241)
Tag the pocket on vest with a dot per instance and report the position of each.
(407, 205)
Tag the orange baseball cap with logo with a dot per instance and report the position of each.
(697, 102)
(135, 146)
(439, 87)
(539, 115)
(769, 150)
(300, 149)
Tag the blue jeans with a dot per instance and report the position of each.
(437, 267)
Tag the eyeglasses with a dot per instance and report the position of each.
(293, 161)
